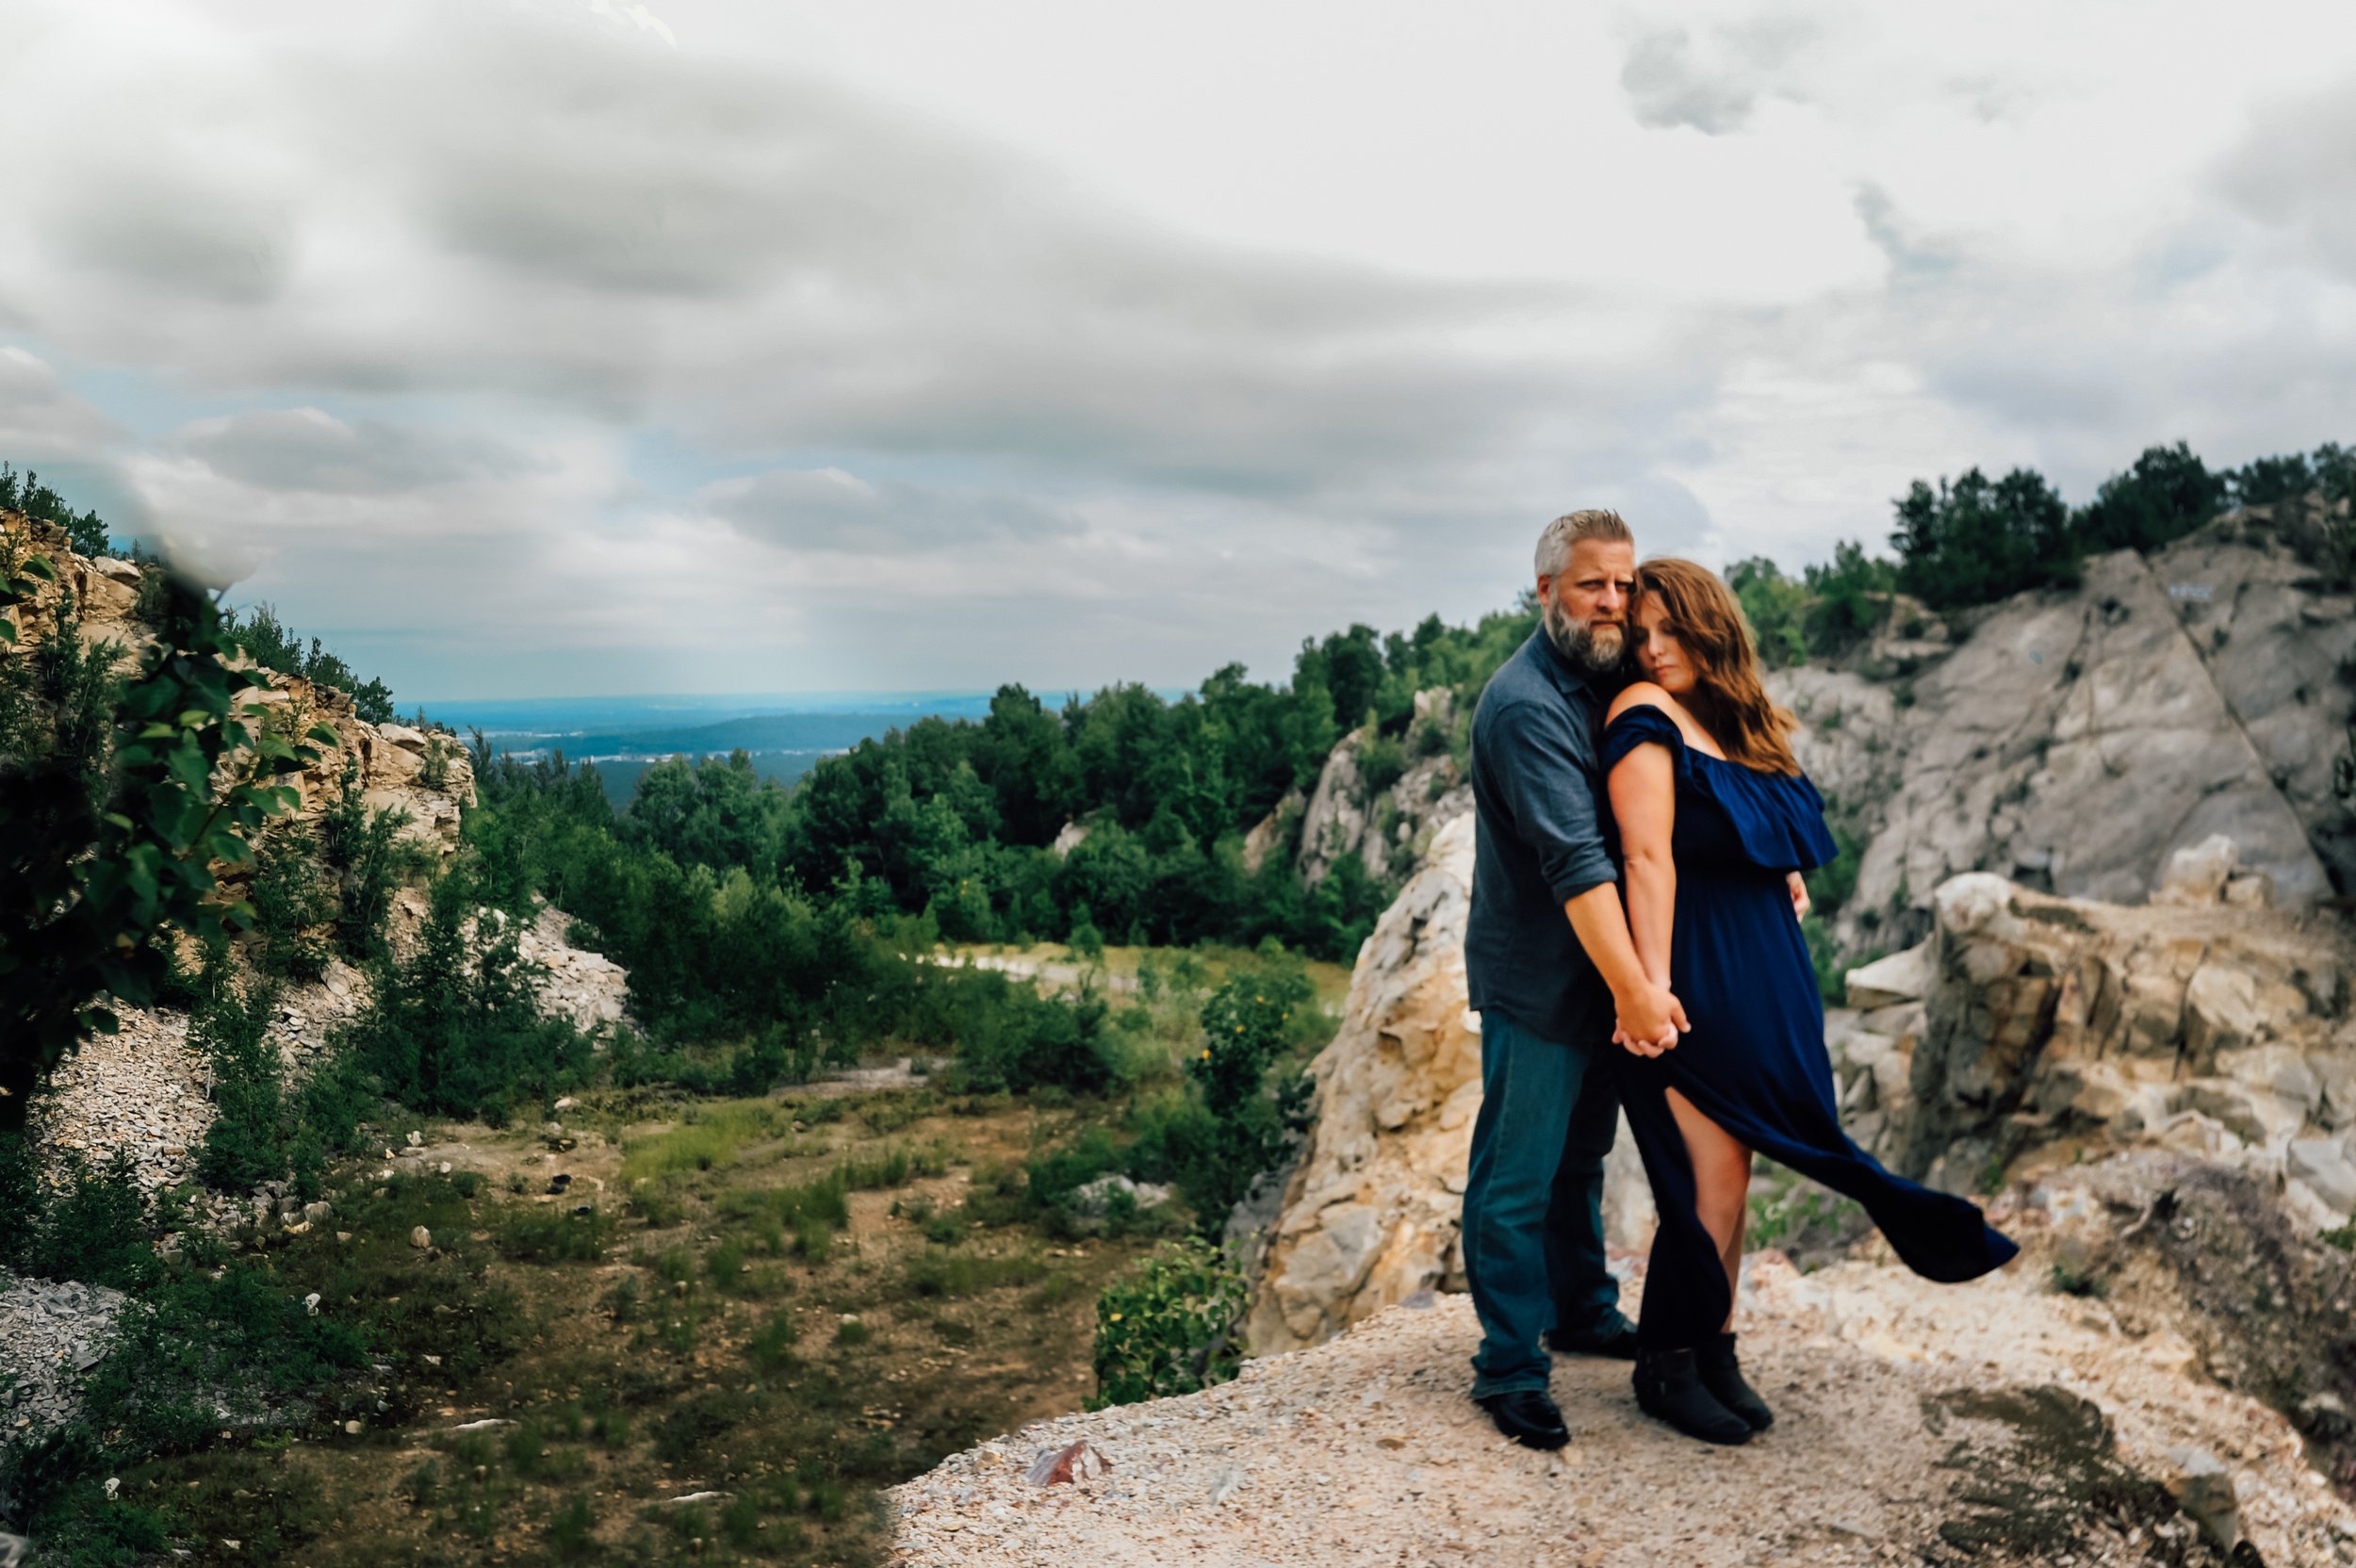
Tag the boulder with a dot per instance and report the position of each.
(1903, 976)
(2198, 875)
(2194, 1023)
(1370, 1213)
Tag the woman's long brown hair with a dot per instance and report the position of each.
(1729, 696)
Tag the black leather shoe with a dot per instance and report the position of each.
(1669, 1388)
(1529, 1416)
(1618, 1344)
(1722, 1374)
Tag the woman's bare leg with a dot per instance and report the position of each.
(1721, 1185)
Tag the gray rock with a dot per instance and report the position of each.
(2203, 1488)
(2324, 1167)
(1903, 976)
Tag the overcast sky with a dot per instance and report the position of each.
(568, 347)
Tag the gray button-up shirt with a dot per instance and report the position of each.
(1540, 841)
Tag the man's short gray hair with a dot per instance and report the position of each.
(1554, 545)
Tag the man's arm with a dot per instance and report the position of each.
(1651, 1017)
(1547, 773)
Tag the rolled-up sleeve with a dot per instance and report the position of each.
(1545, 770)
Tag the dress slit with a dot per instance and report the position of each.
(1753, 1063)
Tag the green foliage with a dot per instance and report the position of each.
(292, 899)
(246, 1144)
(1846, 600)
(1227, 1127)
(1774, 605)
(1381, 764)
(86, 530)
(455, 1030)
(1978, 539)
(361, 850)
(1172, 1326)
(1009, 1036)
(93, 1228)
(2164, 496)
(269, 641)
(85, 892)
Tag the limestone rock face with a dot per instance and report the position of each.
(2074, 741)
(427, 778)
(1370, 1215)
(1374, 1209)
(2274, 645)
(2210, 1026)
(1389, 830)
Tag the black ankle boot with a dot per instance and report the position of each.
(1722, 1374)
(1669, 1388)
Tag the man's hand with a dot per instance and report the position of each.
(1799, 894)
(1650, 1021)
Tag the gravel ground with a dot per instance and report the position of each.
(50, 1334)
(1364, 1450)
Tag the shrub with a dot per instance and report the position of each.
(1381, 763)
(362, 849)
(456, 1030)
(291, 899)
(246, 1145)
(1170, 1325)
(93, 1227)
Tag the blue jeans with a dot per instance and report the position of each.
(1533, 1202)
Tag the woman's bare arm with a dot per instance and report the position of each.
(1644, 803)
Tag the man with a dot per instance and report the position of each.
(1550, 964)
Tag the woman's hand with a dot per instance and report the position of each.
(1798, 885)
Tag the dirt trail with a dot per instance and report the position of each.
(1916, 1424)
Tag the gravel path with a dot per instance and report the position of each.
(1365, 1451)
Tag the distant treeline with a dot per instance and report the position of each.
(1973, 540)
(953, 820)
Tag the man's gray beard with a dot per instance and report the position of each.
(1593, 648)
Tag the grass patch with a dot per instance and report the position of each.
(950, 1275)
(712, 1138)
(553, 1234)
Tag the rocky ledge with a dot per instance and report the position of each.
(1992, 1423)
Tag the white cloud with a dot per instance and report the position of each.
(567, 344)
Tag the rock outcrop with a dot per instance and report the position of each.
(2031, 1025)
(426, 778)
(1370, 1215)
(2073, 741)
(1998, 1422)
(1386, 823)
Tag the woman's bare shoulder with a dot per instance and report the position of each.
(1644, 693)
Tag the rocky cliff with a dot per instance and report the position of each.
(2075, 741)
(428, 779)
(1377, 801)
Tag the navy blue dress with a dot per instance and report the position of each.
(1755, 1061)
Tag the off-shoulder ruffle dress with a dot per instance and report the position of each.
(1754, 1062)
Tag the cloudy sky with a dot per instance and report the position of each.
(568, 347)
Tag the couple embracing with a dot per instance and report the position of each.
(1634, 939)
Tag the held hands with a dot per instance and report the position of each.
(1650, 1021)
(1798, 885)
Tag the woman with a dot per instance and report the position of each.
(1716, 823)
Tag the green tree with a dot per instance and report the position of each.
(1978, 539)
(1774, 605)
(84, 894)
(2165, 495)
